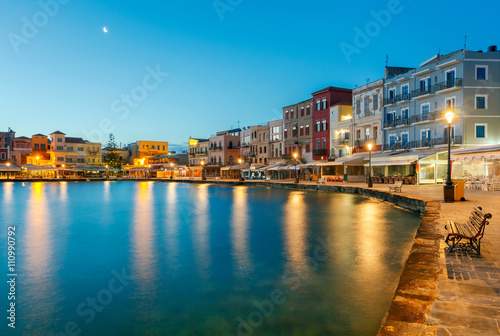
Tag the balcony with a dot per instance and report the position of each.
(215, 148)
(362, 143)
(422, 93)
(390, 101)
(403, 98)
(233, 147)
(449, 86)
(424, 117)
(321, 151)
(457, 140)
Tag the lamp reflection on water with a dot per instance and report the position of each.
(172, 223)
(142, 239)
(239, 232)
(296, 231)
(39, 277)
(202, 230)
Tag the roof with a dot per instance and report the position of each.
(344, 102)
(74, 140)
(199, 139)
(331, 88)
(40, 134)
(302, 102)
(22, 138)
(58, 132)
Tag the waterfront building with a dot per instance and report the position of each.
(259, 143)
(142, 150)
(322, 101)
(4, 155)
(466, 82)
(297, 130)
(21, 149)
(198, 151)
(6, 143)
(70, 152)
(275, 147)
(367, 102)
(224, 148)
(245, 144)
(341, 125)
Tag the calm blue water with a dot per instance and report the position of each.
(144, 258)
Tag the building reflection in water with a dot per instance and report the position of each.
(143, 262)
(8, 198)
(40, 283)
(240, 232)
(202, 230)
(107, 191)
(295, 231)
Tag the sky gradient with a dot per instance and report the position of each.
(218, 64)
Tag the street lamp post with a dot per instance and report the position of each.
(449, 190)
(295, 155)
(107, 172)
(370, 181)
(171, 171)
(241, 172)
(8, 170)
(37, 160)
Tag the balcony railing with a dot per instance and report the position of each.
(422, 92)
(233, 147)
(390, 101)
(455, 83)
(364, 142)
(214, 148)
(457, 140)
(403, 97)
(424, 117)
(321, 151)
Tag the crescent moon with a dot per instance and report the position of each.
(105, 29)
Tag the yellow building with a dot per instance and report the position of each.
(142, 150)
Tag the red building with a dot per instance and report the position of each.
(322, 100)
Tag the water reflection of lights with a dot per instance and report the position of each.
(172, 224)
(239, 232)
(142, 239)
(107, 191)
(296, 231)
(39, 255)
(202, 230)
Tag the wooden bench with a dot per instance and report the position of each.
(468, 235)
(322, 181)
(397, 186)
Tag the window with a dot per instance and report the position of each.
(426, 108)
(3, 156)
(366, 107)
(307, 129)
(318, 126)
(404, 115)
(405, 92)
(60, 148)
(481, 102)
(286, 133)
(291, 114)
(318, 144)
(392, 95)
(318, 105)
(450, 78)
(358, 106)
(60, 159)
(375, 132)
(392, 140)
(481, 72)
(294, 131)
(323, 143)
(308, 147)
(302, 111)
(450, 103)
(358, 134)
(481, 131)
(36, 146)
(265, 150)
(301, 130)
(324, 104)
(286, 114)
(367, 134)
(80, 149)
(375, 102)
(308, 110)
(324, 125)
(404, 140)
(59, 140)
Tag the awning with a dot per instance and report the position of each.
(9, 168)
(391, 163)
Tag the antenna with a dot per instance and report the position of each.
(465, 44)
(367, 80)
(238, 124)
(386, 60)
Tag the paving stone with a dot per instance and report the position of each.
(470, 322)
(483, 311)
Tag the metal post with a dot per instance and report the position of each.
(449, 190)
(370, 181)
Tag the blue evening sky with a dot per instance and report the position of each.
(241, 62)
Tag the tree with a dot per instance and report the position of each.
(112, 156)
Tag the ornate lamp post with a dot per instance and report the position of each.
(370, 181)
(449, 190)
(203, 177)
(295, 155)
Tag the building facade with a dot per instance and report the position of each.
(341, 123)
(198, 151)
(322, 101)
(142, 150)
(367, 102)
(70, 152)
(21, 149)
(297, 130)
(465, 82)
(275, 147)
(245, 144)
(224, 148)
